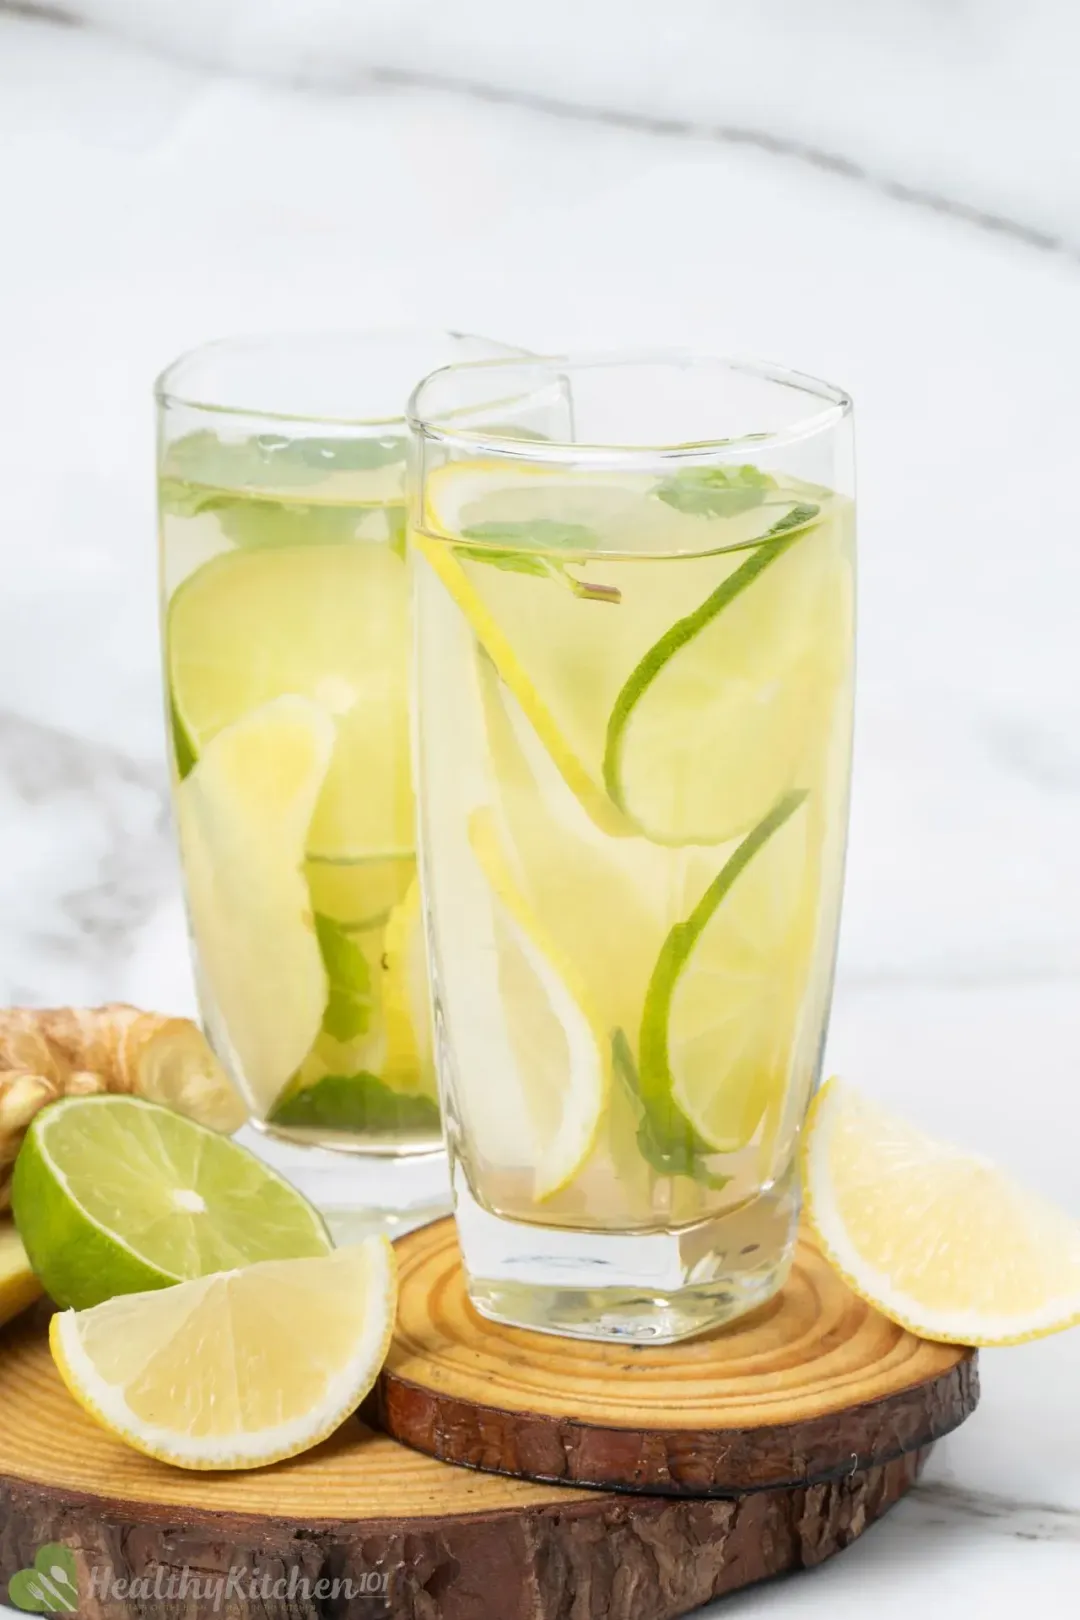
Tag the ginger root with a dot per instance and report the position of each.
(52, 1052)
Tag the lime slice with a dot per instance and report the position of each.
(720, 1012)
(327, 623)
(114, 1194)
(360, 894)
(722, 712)
(244, 813)
(236, 1370)
(561, 1057)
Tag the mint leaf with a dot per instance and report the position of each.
(539, 532)
(252, 520)
(248, 520)
(348, 1008)
(515, 562)
(355, 1102)
(347, 455)
(179, 499)
(715, 491)
(547, 534)
(231, 466)
(678, 1150)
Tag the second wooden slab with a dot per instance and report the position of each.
(156, 1543)
(813, 1386)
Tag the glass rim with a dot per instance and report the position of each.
(167, 395)
(441, 428)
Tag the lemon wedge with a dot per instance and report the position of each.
(939, 1240)
(239, 1369)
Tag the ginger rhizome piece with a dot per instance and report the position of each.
(52, 1052)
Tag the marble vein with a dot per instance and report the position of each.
(762, 140)
(91, 827)
(939, 1502)
(282, 51)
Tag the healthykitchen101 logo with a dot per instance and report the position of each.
(51, 1586)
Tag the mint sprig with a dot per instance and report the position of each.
(722, 492)
(524, 548)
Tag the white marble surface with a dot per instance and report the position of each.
(150, 202)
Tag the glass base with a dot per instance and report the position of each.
(636, 1287)
(359, 1194)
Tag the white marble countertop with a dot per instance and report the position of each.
(931, 266)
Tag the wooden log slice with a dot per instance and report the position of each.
(814, 1385)
(453, 1545)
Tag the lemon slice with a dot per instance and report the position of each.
(940, 1240)
(239, 1369)
(244, 813)
(325, 622)
(720, 1012)
(18, 1285)
(561, 1058)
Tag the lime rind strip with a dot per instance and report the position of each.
(656, 1082)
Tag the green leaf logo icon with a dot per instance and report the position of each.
(50, 1587)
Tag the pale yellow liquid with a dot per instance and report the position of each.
(381, 1092)
(606, 898)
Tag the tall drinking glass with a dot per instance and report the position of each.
(286, 625)
(634, 596)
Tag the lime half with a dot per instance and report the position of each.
(114, 1195)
